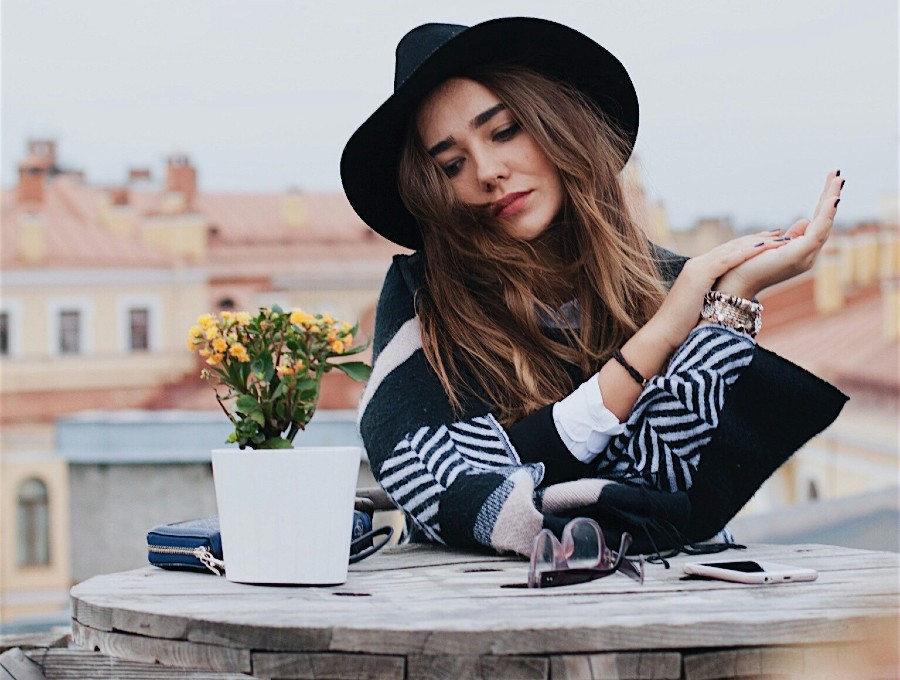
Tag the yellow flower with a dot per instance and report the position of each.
(315, 329)
(196, 332)
(190, 345)
(211, 332)
(206, 320)
(204, 352)
(215, 359)
(337, 347)
(299, 317)
(348, 340)
(243, 318)
(284, 370)
(332, 336)
(327, 318)
(345, 326)
(219, 344)
(239, 352)
(226, 315)
(299, 365)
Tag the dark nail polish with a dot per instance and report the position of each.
(836, 202)
(838, 174)
(783, 238)
(843, 182)
(760, 244)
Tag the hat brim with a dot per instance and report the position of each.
(370, 160)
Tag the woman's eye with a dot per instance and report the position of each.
(452, 169)
(507, 132)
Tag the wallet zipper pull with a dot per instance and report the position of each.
(206, 557)
(202, 553)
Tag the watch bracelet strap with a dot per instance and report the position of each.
(731, 311)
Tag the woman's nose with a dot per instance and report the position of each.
(491, 169)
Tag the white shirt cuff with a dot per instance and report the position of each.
(584, 424)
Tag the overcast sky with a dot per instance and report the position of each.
(745, 105)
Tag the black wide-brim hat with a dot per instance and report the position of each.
(432, 53)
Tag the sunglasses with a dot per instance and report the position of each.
(580, 557)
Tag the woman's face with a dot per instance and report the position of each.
(489, 160)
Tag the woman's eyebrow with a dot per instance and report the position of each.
(485, 116)
(475, 123)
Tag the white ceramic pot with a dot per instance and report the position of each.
(286, 515)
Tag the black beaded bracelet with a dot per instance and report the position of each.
(632, 371)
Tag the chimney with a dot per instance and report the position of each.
(293, 209)
(139, 175)
(118, 196)
(34, 169)
(828, 291)
(181, 177)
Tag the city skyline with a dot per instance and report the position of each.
(744, 107)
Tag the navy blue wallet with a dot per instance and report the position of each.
(196, 544)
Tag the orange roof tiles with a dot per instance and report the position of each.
(847, 347)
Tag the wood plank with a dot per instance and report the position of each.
(616, 666)
(33, 640)
(875, 657)
(14, 665)
(81, 664)
(168, 652)
(468, 667)
(328, 666)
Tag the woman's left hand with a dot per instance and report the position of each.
(805, 241)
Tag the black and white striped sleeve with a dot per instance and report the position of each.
(677, 412)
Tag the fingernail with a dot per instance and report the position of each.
(836, 202)
(843, 182)
(838, 173)
(760, 244)
(783, 238)
(776, 230)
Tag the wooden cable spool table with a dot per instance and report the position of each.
(428, 612)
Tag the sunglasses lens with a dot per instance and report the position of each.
(583, 544)
(546, 555)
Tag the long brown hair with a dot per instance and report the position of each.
(488, 293)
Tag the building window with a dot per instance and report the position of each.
(33, 523)
(4, 334)
(69, 331)
(139, 329)
(812, 491)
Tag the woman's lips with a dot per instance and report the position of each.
(510, 204)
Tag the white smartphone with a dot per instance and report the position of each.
(750, 571)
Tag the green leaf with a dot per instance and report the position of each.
(257, 417)
(357, 370)
(247, 404)
(276, 443)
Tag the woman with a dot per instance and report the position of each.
(536, 359)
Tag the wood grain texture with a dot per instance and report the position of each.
(466, 667)
(167, 652)
(617, 666)
(328, 666)
(33, 640)
(82, 664)
(426, 601)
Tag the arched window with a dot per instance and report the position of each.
(33, 523)
(812, 491)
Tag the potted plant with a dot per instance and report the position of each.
(285, 514)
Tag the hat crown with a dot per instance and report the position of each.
(420, 43)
